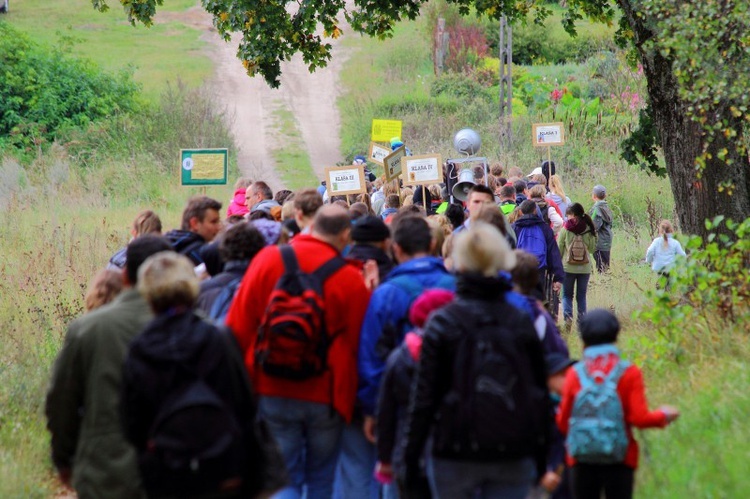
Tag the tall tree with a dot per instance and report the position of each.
(694, 56)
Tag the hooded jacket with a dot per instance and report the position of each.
(237, 206)
(554, 261)
(602, 216)
(364, 252)
(187, 243)
(211, 288)
(570, 229)
(264, 205)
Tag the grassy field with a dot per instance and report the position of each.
(167, 51)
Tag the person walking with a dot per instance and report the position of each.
(664, 250)
(577, 240)
(602, 216)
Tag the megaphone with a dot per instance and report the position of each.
(464, 184)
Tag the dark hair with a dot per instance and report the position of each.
(412, 233)
(358, 210)
(260, 215)
(242, 241)
(262, 188)
(478, 172)
(528, 207)
(576, 209)
(599, 327)
(548, 169)
(393, 201)
(282, 195)
(520, 186)
(493, 216)
(501, 181)
(482, 189)
(308, 201)
(456, 215)
(331, 220)
(508, 191)
(197, 208)
(496, 169)
(139, 250)
(526, 272)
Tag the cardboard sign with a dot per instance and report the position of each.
(548, 134)
(392, 163)
(422, 170)
(385, 130)
(342, 180)
(203, 166)
(377, 153)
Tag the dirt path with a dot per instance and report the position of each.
(250, 103)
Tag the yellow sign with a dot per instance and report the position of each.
(385, 130)
(208, 166)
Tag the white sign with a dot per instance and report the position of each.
(392, 163)
(422, 170)
(548, 134)
(343, 180)
(378, 153)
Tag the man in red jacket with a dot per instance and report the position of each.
(599, 330)
(307, 416)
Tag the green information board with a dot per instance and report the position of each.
(203, 166)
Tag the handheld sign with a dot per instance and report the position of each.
(384, 130)
(392, 163)
(422, 170)
(377, 153)
(343, 180)
(548, 134)
(203, 166)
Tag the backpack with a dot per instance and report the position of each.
(531, 240)
(597, 433)
(223, 300)
(577, 252)
(493, 409)
(292, 337)
(195, 437)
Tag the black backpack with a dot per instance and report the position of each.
(493, 409)
(195, 442)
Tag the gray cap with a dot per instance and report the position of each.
(600, 191)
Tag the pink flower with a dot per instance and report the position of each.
(556, 95)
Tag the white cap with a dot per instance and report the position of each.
(537, 171)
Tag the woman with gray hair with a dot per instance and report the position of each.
(480, 388)
(186, 401)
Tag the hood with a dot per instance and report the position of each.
(265, 205)
(175, 336)
(602, 209)
(480, 287)
(528, 221)
(364, 252)
(239, 197)
(181, 239)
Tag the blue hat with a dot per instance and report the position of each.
(359, 160)
(396, 142)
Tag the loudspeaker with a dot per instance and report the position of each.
(464, 184)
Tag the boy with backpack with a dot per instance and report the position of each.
(602, 215)
(603, 398)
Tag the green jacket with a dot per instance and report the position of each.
(83, 413)
(564, 239)
(602, 216)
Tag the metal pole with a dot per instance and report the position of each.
(506, 83)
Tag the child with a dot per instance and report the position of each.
(602, 216)
(393, 399)
(604, 391)
(664, 250)
(104, 287)
(238, 205)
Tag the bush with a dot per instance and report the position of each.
(43, 92)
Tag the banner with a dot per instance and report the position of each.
(342, 180)
(385, 130)
(426, 169)
(378, 152)
(203, 166)
(548, 134)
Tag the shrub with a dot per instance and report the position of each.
(43, 92)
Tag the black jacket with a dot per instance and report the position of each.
(211, 288)
(477, 297)
(154, 372)
(364, 252)
(187, 243)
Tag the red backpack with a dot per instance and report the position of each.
(292, 338)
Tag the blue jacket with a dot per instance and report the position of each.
(386, 320)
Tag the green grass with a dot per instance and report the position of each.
(292, 162)
(164, 52)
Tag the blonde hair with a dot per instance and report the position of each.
(556, 186)
(435, 192)
(482, 249)
(242, 183)
(390, 188)
(538, 191)
(540, 178)
(287, 210)
(407, 196)
(168, 280)
(665, 228)
(147, 222)
(438, 235)
(104, 287)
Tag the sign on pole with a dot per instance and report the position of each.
(343, 180)
(203, 166)
(392, 163)
(426, 169)
(548, 134)
(385, 130)
(377, 153)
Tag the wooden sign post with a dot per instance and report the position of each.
(548, 135)
(426, 169)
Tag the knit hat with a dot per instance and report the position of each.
(428, 302)
(599, 191)
(270, 230)
(396, 142)
(599, 327)
(370, 229)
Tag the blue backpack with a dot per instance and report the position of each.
(532, 240)
(597, 433)
(220, 307)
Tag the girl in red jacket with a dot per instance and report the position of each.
(593, 470)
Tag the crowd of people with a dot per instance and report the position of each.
(396, 343)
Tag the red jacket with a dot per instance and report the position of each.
(632, 394)
(346, 299)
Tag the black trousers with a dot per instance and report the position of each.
(602, 260)
(588, 481)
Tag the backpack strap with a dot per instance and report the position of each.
(616, 373)
(289, 258)
(329, 268)
(583, 377)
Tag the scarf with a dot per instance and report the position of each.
(575, 225)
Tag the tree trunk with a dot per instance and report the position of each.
(696, 191)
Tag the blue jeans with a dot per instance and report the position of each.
(451, 479)
(355, 471)
(309, 436)
(581, 283)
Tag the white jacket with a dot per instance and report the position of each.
(661, 256)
